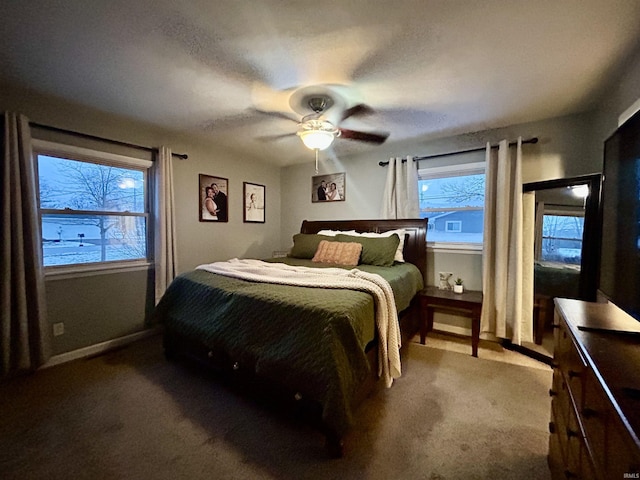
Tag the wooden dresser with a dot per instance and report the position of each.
(595, 396)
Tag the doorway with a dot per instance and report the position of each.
(567, 250)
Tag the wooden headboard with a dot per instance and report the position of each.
(415, 243)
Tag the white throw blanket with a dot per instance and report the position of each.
(386, 315)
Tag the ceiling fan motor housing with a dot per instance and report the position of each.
(319, 104)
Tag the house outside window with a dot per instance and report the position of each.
(94, 207)
(452, 198)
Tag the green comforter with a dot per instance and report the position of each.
(309, 340)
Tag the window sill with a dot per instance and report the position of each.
(77, 271)
(452, 247)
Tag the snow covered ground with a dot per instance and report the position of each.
(71, 253)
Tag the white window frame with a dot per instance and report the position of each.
(454, 170)
(60, 150)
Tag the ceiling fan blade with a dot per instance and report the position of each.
(269, 138)
(360, 109)
(378, 138)
(284, 115)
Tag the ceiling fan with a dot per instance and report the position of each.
(322, 115)
(317, 131)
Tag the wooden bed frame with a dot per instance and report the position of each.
(176, 345)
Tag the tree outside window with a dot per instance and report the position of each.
(103, 206)
(562, 238)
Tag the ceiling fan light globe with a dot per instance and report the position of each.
(316, 139)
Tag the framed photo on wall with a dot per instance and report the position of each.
(328, 188)
(213, 194)
(254, 202)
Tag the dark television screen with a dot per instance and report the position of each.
(620, 258)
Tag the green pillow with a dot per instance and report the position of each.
(375, 251)
(306, 244)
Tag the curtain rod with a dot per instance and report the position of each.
(183, 156)
(478, 149)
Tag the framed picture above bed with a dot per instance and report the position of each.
(213, 194)
(254, 202)
(328, 188)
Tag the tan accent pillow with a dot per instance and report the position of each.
(341, 253)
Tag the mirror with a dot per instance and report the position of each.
(567, 249)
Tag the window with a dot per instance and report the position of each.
(562, 238)
(94, 206)
(452, 198)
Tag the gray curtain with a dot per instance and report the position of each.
(166, 256)
(24, 335)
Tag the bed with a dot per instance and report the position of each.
(556, 279)
(316, 350)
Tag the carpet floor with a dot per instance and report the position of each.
(131, 414)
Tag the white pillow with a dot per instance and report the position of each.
(400, 232)
(333, 233)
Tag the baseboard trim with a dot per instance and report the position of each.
(462, 331)
(447, 328)
(541, 357)
(99, 348)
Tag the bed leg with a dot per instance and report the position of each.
(335, 445)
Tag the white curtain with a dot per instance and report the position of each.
(400, 197)
(538, 230)
(166, 259)
(24, 331)
(507, 269)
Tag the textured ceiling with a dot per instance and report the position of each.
(427, 68)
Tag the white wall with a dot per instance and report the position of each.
(201, 242)
(619, 97)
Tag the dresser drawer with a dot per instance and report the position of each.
(561, 342)
(610, 443)
(557, 450)
(594, 415)
(560, 394)
(570, 363)
(558, 428)
(622, 457)
(575, 443)
(587, 468)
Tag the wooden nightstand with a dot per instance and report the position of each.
(468, 304)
